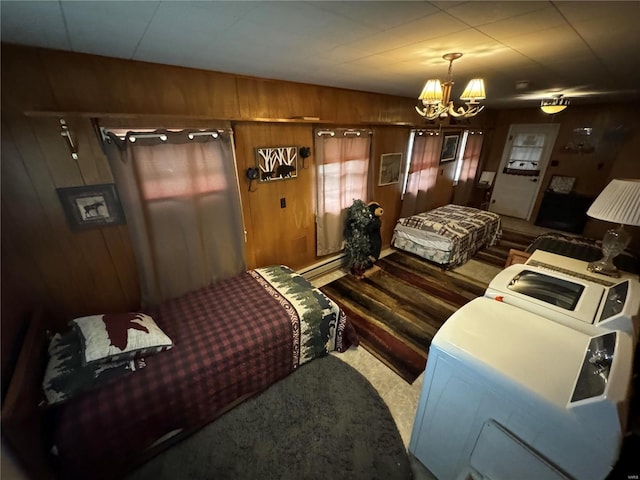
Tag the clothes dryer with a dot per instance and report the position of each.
(507, 395)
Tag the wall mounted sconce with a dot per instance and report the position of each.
(305, 152)
(582, 141)
(252, 174)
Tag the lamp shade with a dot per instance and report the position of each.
(618, 203)
(431, 93)
(474, 90)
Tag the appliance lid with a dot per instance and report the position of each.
(549, 289)
(548, 293)
(542, 357)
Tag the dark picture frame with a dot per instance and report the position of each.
(91, 206)
(449, 148)
(390, 166)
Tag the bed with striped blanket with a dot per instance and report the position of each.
(449, 235)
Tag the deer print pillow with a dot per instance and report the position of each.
(119, 336)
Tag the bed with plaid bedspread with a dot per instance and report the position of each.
(448, 235)
(232, 340)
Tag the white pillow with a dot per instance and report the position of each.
(119, 336)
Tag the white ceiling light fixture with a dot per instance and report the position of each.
(436, 100)
(554, 105)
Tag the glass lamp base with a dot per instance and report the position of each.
(604, 267)
(613, 244)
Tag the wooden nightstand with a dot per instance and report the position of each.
(480, 196)
(516, 256)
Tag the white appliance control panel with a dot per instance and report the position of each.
(560, 289)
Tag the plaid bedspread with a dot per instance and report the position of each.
(468, 229)
(231, 341)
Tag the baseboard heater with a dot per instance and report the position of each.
(322, 268)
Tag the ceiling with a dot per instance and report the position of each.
(588, 51)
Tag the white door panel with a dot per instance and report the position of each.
(512, 198)
(524, 160)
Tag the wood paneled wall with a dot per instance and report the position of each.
(616, 133)
(388, 140)
(50, 80)
(277, 235)
(65, 271)
(77, 273)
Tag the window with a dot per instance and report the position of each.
(343, 182)
(526, 153)
(180, 195)
(342, 157)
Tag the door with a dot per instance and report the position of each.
(524, 160)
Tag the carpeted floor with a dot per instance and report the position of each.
(323, 421)
(400, 305)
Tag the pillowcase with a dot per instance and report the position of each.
(119, 336)
(66, 376)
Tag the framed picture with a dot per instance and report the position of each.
(449, 148)
(277, 163)
(390, 165)
(561, 184)
(91, 206)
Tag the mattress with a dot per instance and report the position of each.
(424, 244)
(448, 235)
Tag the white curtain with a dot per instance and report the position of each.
(181, 201)
(342, 158)
(423, 172)
(470, 160)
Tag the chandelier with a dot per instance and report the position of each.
(554, 105)
(436, 101)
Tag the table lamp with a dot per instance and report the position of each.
(618, 203)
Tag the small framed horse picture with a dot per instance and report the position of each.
(91, 206)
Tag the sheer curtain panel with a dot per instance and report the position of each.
(342, 157)
(181, 199)
(423, 172)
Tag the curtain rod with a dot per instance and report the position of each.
(346, 132)
(121, 133)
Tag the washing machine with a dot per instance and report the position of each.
(507, 396)
(554, 287)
